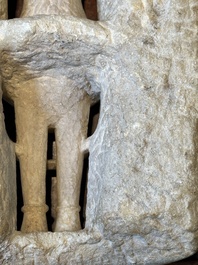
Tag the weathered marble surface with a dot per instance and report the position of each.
(142, 183)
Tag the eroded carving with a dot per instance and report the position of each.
(50, 100)
(142, 188)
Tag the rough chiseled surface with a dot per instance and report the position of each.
(142, 185)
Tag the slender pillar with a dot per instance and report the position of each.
(68, 112)
(31, 149)
(70, 131)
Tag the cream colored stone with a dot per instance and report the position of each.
(36, 109)
(3, 9)
(47, 7)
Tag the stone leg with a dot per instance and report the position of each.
(70, 131)
(31, 149)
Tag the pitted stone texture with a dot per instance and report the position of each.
(142, 183)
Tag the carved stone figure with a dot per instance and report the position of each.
(47, 101)
(141, 58)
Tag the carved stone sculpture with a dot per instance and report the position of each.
(50, 100)
(141, 58)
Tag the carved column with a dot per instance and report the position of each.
(37, 108)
